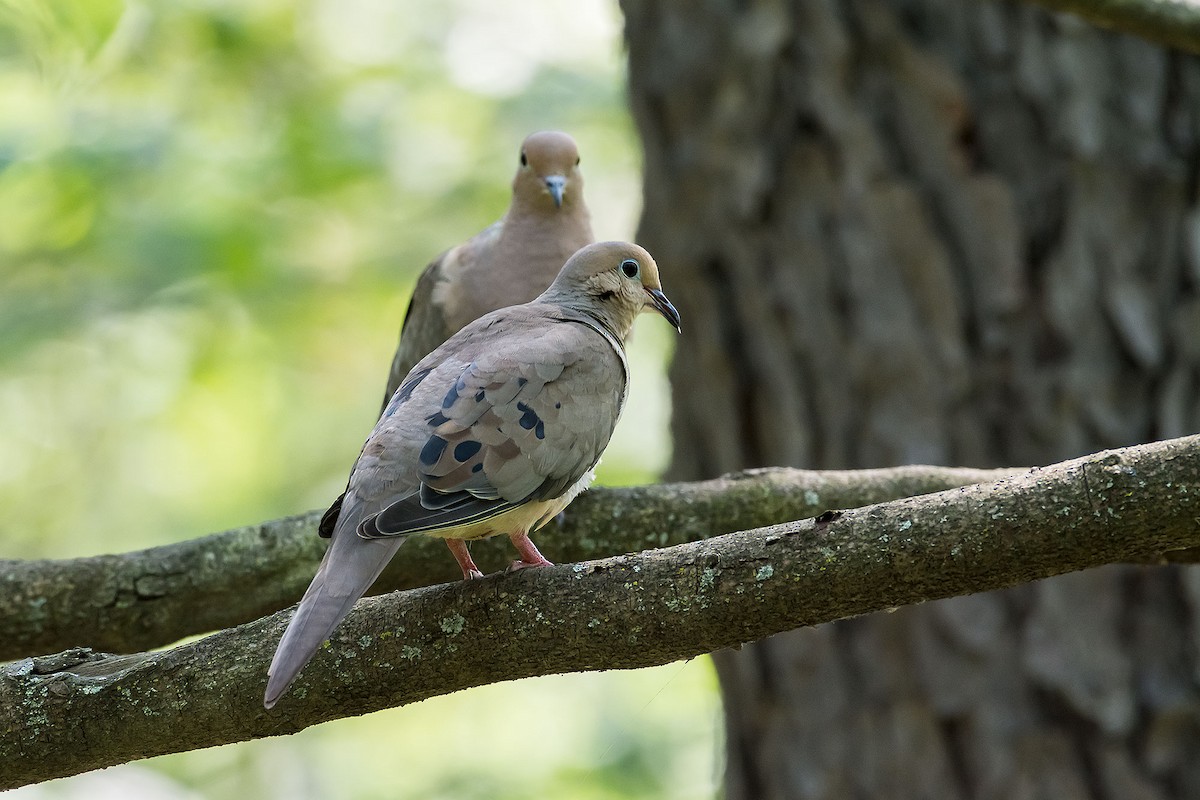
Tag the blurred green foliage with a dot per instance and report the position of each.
(211, 216)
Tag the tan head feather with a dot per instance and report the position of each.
(548, 176)
(614, 282)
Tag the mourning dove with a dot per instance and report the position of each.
(510, 262)
(495, 431)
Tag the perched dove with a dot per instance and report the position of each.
(510, 262)
(495, 431)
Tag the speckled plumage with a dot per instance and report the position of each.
(495, 431)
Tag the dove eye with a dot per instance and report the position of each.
(524, 160)
(577, 161)
(630, 268)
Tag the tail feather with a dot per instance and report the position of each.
(349, 568)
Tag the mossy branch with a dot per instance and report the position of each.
(65, 714)
(151, 598)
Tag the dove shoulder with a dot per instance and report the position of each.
(517, 407)
(439, 305)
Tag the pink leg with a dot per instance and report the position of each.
(530, 557)
(463, 556)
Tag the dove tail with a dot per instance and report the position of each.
(350, 567)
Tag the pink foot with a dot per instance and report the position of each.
(462, 555)
(530, 557)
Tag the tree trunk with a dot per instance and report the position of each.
(949, 233)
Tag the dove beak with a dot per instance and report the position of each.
(663, 306)
(556, 184)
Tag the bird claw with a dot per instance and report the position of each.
(463, 556)
(528, 552)
(519, 564)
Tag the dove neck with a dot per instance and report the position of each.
(539, 217)
(614, 324)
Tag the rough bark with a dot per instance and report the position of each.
(150, 598)
(937, 233)
(76, 711)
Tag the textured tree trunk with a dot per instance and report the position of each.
(951, 233)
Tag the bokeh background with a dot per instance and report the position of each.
(211, 217)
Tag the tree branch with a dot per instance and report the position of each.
(150, 598)
(74, 712)
(1174, 23)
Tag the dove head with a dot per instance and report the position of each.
(612, 282)
(548, 176)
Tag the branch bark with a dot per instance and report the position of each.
(1174, 23)
(151, 598)
(78, 711)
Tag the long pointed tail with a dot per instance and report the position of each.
(349, 568)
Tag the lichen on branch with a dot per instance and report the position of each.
(151, 598)
(78, 711)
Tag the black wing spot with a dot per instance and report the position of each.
(437, 419)
(406, 389)
(529, 417)
(464, 450)
(433, 450)
(456, 389)
(477, 467)
(540, 430)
